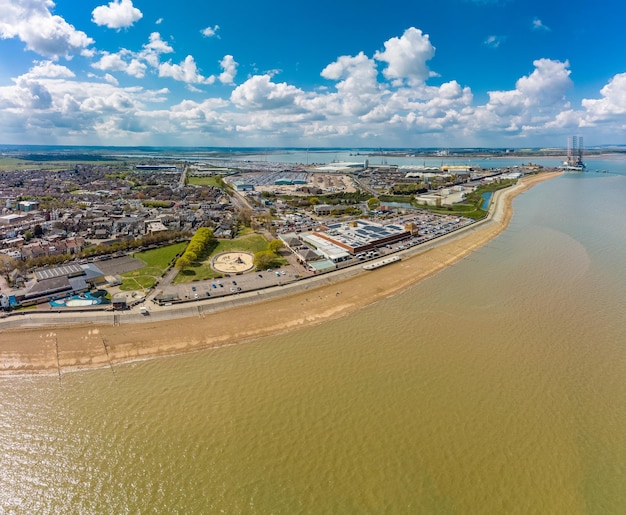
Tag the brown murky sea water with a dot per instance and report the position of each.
(496, 386)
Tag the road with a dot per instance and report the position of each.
(183, 177)
(240, 201)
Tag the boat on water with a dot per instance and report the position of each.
(382, 262)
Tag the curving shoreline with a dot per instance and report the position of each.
(63, 348)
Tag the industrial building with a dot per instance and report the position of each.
(445, 196)
(243, 186)
(329, 209)
(11, 219)
(61, 281)
(324, 248)
(27, 206)
(357, 236)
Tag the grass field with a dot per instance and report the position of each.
(250, 243)
(157, 262)
(12, 163)
(201, 271)
(203, 181)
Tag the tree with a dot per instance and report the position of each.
(219, 180)
(7, 264)
(265, 259)
(182, 263)
(265, 220)
(197, 246)
(373, 203)
(191, 256)
(275, 246)
(245, 217)
(37, 230)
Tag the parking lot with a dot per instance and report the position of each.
(234, 284)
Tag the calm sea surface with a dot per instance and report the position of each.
(496, 386)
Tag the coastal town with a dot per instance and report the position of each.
(73, 231)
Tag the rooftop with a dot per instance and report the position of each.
(360, 233)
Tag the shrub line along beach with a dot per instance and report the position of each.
(56, 348)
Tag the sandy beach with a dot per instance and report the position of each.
(64, 348)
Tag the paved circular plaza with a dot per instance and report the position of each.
(233, 262)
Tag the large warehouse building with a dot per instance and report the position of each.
(362, 235)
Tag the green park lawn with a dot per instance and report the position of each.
(466, 210)
(203, 181)
(202, 270)
(250, 243)
(157, 262)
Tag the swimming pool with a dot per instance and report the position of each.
(82, 299)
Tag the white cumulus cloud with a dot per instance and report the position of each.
(110, 62)
(229, 65)
(547, 84)
(357, 90)
(118, 14)
(110, 79)
(154, 48)
(32, 22)
(71, 110)
(612, 105)
(210, 31)
(34, 94)
(356, 105)
(186, 71)
(49, 69)
(406, 56)
(118, 62)
(537, 100)
(259, 92)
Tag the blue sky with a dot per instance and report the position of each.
(451, 73)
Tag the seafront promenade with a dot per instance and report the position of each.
(203, 306)
(49, 343)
